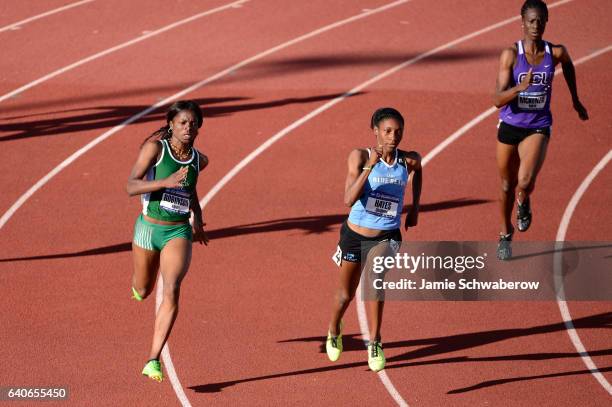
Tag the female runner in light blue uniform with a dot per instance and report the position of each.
(374, 190)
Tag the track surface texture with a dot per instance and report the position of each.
(256, 302)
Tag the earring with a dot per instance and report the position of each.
(169, 130)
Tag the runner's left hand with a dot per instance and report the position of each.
(412, 218)
(199, 235)
(582, 112)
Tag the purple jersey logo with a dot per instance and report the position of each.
(537, 78)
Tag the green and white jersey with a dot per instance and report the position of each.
(171, 204)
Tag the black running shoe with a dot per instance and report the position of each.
(523, 216)
(504, 247)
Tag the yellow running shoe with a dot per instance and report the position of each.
(376, 356)
(333, 345)
(153, 369)
(135, 295)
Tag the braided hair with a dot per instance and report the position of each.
(164, 132)
(535, 4)
(386, 113)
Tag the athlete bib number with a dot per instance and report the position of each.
(175, 200)
(532, 100)
(379, 204)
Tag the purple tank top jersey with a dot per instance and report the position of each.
(531, 108)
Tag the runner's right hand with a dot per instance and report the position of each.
(374, 156)
(526, 81)
(176, 179)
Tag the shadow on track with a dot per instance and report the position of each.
(106, 117)
(441, 345)
(307, 224)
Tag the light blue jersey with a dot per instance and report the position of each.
(380, 205)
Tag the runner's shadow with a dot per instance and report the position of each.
(497, 382)
(570, 249)
(277, 67)
(453, 343)
(443, 345)
(350, 342)
(306, 224)
(106, 117)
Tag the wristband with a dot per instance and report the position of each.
(367, 168)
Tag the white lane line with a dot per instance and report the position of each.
(562, 228)
(460, 132)
(25, 196)
(365, 334)
(18, 24)
(166, 358)
(245, 161)
(558, 258)
(117, 48)
(203, 202)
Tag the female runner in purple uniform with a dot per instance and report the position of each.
(523, 91)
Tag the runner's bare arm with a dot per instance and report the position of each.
(357, 175)
(561, 54)
(413, 159)
(199, 235)
(504, 93)
(203, 161)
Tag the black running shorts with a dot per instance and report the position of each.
(349, 246)
(513, 135)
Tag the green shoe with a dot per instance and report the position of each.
(376, 357)
(135, 295)
(153, 369)
(333, 345)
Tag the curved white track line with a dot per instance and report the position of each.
(45, 14)
(254, 154)
(166, 358)
(382, 375)
(23, 198)
(565, 313)
(279, 135)
(460, 132)
(118, 47)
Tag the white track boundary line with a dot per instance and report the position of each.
(117, 48)
(25, 196)
(270, 141)
(173, 377)
(45, 14)
(563, 308)
(567, 319)
(166, 358)
(365, 334)
(254, 154)
(460, 132)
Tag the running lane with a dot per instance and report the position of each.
(434, 347)
(90, 288)
(15, 12)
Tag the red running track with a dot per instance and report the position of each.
(256, 302)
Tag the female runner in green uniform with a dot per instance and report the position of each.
(165, 175)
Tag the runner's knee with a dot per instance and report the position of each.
(171, 292)
(507, 185)
(345, 297)
(526, 182)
